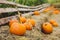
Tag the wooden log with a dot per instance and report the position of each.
(6, 20)
(5, 10)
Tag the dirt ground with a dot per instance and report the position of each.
(35, 33)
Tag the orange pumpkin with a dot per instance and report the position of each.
(32, 21)
(47, 9)
(22, 19)
(36, 12)
(53, 22)
(12, 21)
(56, 11)
(18, 29)
(28, 26)
(47, 27)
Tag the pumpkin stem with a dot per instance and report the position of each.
(19, 15)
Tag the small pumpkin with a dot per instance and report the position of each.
(36, 12)
(47, 28)
(56, 11)
(47, 9)
(28, 26)
(18, 29)
(22, 19)
(12, 21)
(54, 23)
(32, 22)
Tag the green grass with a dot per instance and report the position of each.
(29, 2)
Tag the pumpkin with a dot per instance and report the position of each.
(12, 21)
(32, 22)
(54, 23)
(28, 26)
(47, 9)
(22, 19)
(36, 12)
(18, 29)
(47, 28)
(56, 11)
